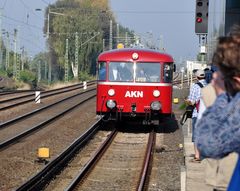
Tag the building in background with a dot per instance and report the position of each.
(222, 15)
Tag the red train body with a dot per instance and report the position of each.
(134, 83)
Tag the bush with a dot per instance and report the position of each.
(84, 76)
(10, 72)
(183, 106)
(3, 73)
(27, 76)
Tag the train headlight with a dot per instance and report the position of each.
(156, 93)
(135, 56)
(156, 105)
(111, 104)
(111, 92)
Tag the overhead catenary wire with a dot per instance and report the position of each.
(47, 3)
(32, 33)
(28, 41)
(4, 4)
(28, 8)
(22, 22)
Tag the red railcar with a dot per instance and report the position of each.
(134, 83)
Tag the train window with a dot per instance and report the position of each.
(102, 71)
(148, 72)
(168, 72)
(120, 71)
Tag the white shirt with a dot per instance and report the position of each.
(115, 74)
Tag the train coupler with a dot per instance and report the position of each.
(147, 112)
(119, 112)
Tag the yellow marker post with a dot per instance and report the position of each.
(43, 153)
(120, 45)
(175, 100)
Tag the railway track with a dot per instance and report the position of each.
(12, 131)
(107, 159)
(17, 100)
(9, 92)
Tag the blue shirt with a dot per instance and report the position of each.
(195, 94)
(218, 131)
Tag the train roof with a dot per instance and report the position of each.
(144, 55)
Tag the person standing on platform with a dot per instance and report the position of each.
(193, 99)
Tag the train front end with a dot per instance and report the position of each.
(134, 84)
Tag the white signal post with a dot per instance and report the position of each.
(37, 97)
(84, 85)
(182, 72)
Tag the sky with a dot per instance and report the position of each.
(22, 15)
(172, 21)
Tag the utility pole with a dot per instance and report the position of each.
(126, 39)
(76, 51)
(182, 73)
(110, 36)
(1, 49)
(48, 41)
(117, 33)
(48, 47)
(66, 62)
(103, 44)
(22, 58)
(15, 55)
(39, 70)
(45, 70)
(7, 51)
(18, 67)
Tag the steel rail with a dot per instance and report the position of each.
(95, 158)
(6, 92)
(147, 160)
(49, 93)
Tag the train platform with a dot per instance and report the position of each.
(192, 174)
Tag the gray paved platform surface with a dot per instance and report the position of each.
(194, 172)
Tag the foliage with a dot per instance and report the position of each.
(27, 76)
(182, 106)
(3, 73)
(10, 72)
(84, 76)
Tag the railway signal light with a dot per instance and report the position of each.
(201, 17)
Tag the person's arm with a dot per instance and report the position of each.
(218, 83)
(202, 108)
(192, 94)
(218, 131)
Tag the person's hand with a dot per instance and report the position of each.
(188, 102)
(218, 83)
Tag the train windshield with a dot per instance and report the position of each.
(148, 72)
(102, 71)
(120, 71)
(168, 72)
